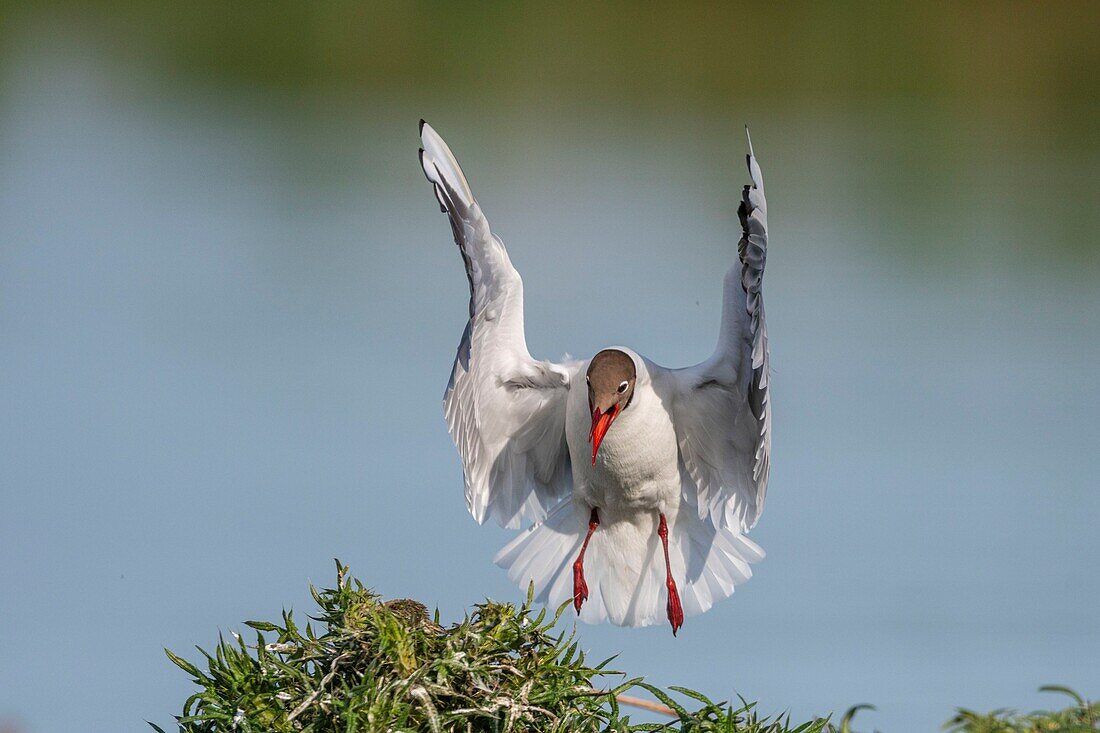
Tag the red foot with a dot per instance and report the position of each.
(675, 610)
(580, 588)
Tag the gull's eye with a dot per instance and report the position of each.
(623, 386)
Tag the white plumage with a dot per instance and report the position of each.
(692, 445)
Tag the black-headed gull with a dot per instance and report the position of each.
(640, 481)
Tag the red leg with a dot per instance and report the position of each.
(580, 588)
(675, 610)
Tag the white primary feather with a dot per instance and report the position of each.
(504, 409)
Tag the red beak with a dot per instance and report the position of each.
(601, 421)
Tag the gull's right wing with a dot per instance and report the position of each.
(504, 409)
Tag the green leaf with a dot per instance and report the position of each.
(850, 714)
(1065, 691)
(184, 665)
(665, 698)
(692, 694)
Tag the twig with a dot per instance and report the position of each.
(654, 707)
(637, 702)
(320, 688)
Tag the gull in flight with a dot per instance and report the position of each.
(639, 482)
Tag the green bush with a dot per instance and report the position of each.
(380, 666)
(1083, 716)
(373, 665)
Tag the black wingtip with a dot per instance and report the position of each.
(422, 123)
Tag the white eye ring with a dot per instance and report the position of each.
(623, 386)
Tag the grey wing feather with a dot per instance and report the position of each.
(721, 407)
(752, 250)
(505, 410)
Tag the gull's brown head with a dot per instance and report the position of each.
(611, 377)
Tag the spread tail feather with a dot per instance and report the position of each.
(624, 564)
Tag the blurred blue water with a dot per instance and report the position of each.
(226, 324)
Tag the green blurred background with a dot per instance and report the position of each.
(228, 306)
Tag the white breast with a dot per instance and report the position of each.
(637, 465)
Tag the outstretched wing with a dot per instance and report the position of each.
(721, 408)
(505, 410)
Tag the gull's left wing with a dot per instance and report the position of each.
(721, 407)
(504, 409)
